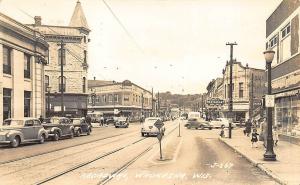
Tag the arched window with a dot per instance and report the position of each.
(62, 86)
(83, 85)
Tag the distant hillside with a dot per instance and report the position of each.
(187, 101)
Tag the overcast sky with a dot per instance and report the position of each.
(172, 45)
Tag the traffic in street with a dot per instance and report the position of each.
(122, 155)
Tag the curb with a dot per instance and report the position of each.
(256, 164)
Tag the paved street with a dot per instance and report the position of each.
(122, 156)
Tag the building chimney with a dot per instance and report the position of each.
(37, 20)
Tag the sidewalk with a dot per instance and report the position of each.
(285, 170)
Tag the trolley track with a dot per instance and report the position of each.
(59, 149)
(123, 167)
(130, 162)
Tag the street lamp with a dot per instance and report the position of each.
(269, 154)
(48, 89)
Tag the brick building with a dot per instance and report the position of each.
(75, 64)
(23, 54)
(110, 97)
(248, 90)
(282, 36)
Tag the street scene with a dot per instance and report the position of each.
(177, 92)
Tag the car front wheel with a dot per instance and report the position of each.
(78, 132)
(42, 139)
(72, 134)
(88, 132)
(15, 142)
(56, 136)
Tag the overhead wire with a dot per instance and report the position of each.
(123, 26)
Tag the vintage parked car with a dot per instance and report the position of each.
(122, 122)
(23, 130)
(59, 127)
(198, 123)
(81, 126)
(148, 127)
(221, 122)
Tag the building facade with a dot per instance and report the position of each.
(126, 98)
(23, 53)
(248, 90)
(215, 91)
(282, 36)
(75, 64)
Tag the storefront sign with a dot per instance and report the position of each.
(215, 101)
(270, 100)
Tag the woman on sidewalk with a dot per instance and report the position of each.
(275, 136)
(254, 138)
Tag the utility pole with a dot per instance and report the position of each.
(143, 105)
(252, 97)
(61, 44)
(230, 103)
(152, 102)
(202, 105)
(158, 104)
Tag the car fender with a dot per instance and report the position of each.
(13, 133)
(76, 128)
(72, 128)
(43, 131)
(55, 129)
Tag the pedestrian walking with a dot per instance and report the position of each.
(88, 120)
(275, 135)
(254, 125)
(264, 131)
(254, 138)
(41, 119)
(101, 121)
(248, 128)
(222, 133)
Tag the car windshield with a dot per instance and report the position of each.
(55, 120)
(76, 121)
(13, 123)
(122, 119)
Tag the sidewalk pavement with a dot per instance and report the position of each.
(285, 170)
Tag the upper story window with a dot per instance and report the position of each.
(241, 90)
(27, 65)
(104, 98)
(285, 31)
(273, 42)
(110, 98)
(6, 60)
(116, 98)
(59, 56)
(84, 39)
(47, 81)
(126, 98)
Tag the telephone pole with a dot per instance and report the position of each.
(252, 97)
(152, 102)
(230, 103)
(62, 55)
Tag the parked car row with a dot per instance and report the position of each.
(16, 131)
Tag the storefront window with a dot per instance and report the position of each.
(6, 103)
(288, 115)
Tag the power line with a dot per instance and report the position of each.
(123, 26)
